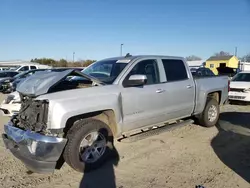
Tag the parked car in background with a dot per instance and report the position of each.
(123, 95)
(9, 84)
(4, 68)
(227, 71)
(11, 104)
(201, 72)
(240, 87)
(7, 74)
(22, 68)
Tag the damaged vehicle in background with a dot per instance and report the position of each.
(77, 121)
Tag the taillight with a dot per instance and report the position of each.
(228, 85)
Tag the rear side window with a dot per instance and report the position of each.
(175, 70)
(32, 67)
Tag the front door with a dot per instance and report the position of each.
(141, 106)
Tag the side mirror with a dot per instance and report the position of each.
(135, 80)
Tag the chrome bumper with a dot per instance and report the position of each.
(38, 152)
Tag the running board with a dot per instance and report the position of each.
(155, 131)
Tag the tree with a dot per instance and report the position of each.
(222, 53)
(62, 63)
(88, 62)
(245, 58)
(193, 58)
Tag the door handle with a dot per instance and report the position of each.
(189, 86)
(159, 91)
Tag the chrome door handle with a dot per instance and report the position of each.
(189, 86)
(160, 90)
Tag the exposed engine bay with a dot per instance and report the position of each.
(33, 114)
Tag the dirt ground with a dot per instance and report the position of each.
(214, 157)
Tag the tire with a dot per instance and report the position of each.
(203, 118)
(80, 129)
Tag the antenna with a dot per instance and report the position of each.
(128, 55)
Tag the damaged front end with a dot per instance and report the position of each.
(27, 139)
(33, 115)
(27, 135)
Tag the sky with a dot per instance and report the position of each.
(94, 29)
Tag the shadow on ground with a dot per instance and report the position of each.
(232, 143)
(103, 177)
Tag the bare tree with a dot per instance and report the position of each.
(222, 53)
(193, 58)
(246, 58)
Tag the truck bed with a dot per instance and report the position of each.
(206, 85)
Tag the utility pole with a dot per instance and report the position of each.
(235, 52)
(121, 49)
(73, 57)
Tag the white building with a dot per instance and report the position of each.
(196, 64)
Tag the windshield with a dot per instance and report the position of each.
(105, 70)
(242, 77)
(20, 74)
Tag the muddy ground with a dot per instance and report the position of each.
(214, 157)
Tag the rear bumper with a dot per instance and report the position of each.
(39, 153)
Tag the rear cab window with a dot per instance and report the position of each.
(25, 68)
(175, 70)
(33, 67)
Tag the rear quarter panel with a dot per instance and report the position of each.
(207, 85)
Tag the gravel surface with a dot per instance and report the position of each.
(214, 157)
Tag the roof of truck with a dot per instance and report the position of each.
(142, 56)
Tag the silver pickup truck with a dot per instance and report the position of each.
(75, 116)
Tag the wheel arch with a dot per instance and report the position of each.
(107, 116)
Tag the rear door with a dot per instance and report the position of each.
(179, 89)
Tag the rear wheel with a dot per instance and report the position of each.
(90, 142)
(210, 115)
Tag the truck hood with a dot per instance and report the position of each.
(240, 85)
(40, 83)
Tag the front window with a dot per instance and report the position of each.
(241, 77)
(105, 70)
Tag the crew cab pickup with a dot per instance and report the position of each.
(77, 119)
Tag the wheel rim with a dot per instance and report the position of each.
(212, 113)
(92, 147)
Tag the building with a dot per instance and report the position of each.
(196, 64)
(215, 62)
(16, 63)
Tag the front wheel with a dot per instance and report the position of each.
(90, 142)
(210, 115)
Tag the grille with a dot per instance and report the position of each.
(237, 89)
(236, 97)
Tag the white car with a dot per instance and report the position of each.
(240, 87)
(11, 105)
